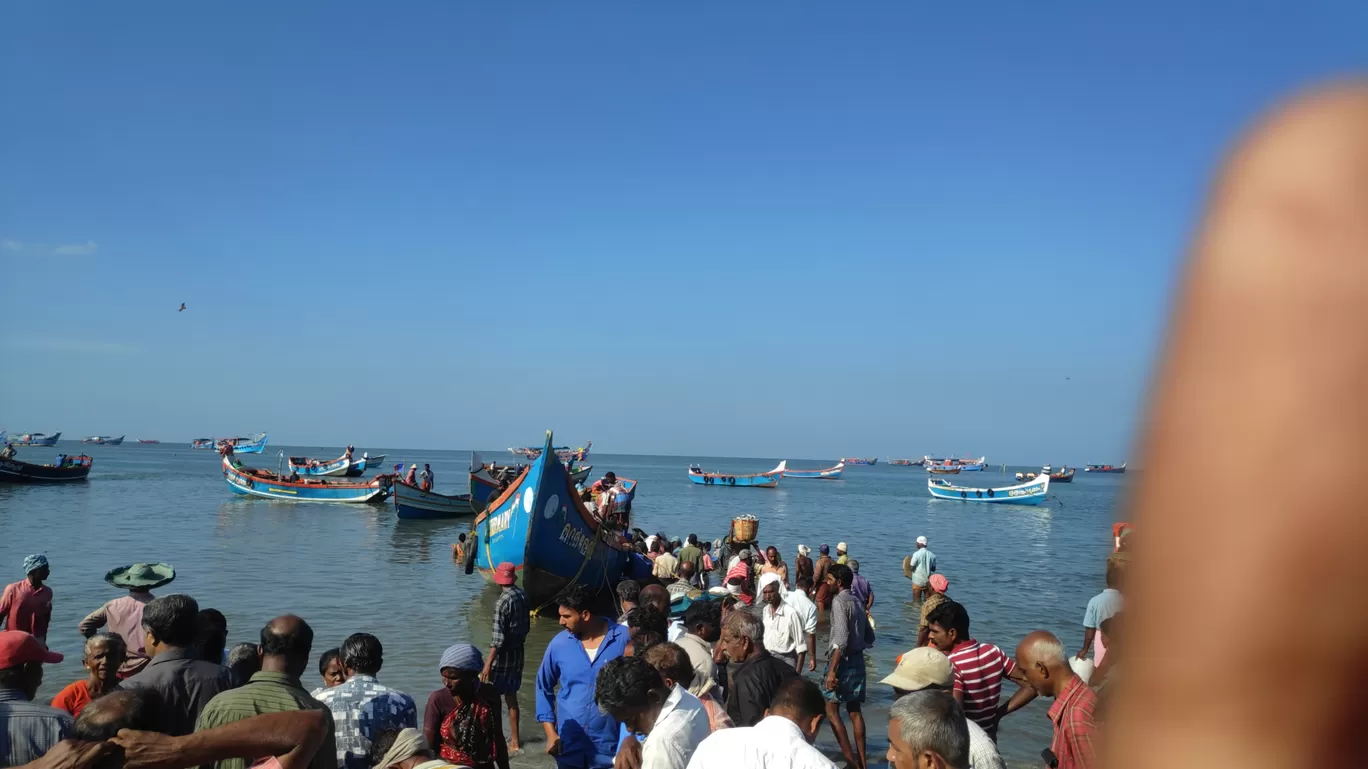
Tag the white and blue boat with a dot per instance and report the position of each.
(831, 473)
(1030, 493)
(35, 439)
(252, 445)
(411, 502)
(539, 525)
(756, 480)
(256, 482)
(328, 467)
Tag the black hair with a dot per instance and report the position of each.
(672, 662)
(363, 653)
(294, 645)
(693, 540)
(120, 709)
(575, 598)
(625, 684)
(706, 546)
(703, 613)
(172, 620)
(628, 590)
(842, 574)
(728, 602)
(211, 635)
(648, 618)
(951, 616)
(804, 583)
(328, 656)
(643, 640)
(16, 677)
(800, 697)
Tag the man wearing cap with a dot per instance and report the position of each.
(920, 566)
(27, 604)
(503, 667)
(802, 565)
(924, 668)
(124, 615)
(29, 730)
(841, 556)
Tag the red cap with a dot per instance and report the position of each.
(505, 574)
(18, 647)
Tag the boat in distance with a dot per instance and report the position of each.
(35, 439)
(1062, 475)
(860, 460)
(563, 453)
(943, 470)
(757, 480)
(1121, 468)
(251, 445)
(906, 462)
(1030, 493)
(256, 482)
(832, 473)
(202, 443)
(413, 503)
(967, 465)
(103, 440)
(345, 465)
(75, 468)
(148, 441)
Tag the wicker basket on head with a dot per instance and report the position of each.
(745, 528)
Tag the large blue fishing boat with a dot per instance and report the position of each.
(35, 439)
(539, 525)
(345, 465)
(253, 481)
(252, 445)
(756, 480)
(1031, 493)
(831, 473)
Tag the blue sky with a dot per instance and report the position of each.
(808, 229)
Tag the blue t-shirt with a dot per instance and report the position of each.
(1103, 607)
(923, 563)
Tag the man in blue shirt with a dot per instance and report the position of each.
(1101, 608)
(578, 734)
(919, 568)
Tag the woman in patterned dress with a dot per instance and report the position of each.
(463, 723)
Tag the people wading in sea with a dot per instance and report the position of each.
(919, 567)
(842, 554)
(823, 594)
(503, 668)
(802, 565)
(1101, 607)
(844, 683)
(124, 615)
(27, 604)
(938, 584)
(807, 612)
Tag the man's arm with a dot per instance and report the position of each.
(1089, 634)
(812, 651)
(93, 621)
(547, 675)
(292, 736)
(6, 600)
(1023, 695)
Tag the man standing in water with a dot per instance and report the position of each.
(124, 615)
(1045, 662)
(1101, 608)
(27, 604)
(920, 566)
(819, 580)
(845, 677)
(503, 667)
(572, 662)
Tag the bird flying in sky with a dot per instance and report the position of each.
(182, 309)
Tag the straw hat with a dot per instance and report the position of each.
(141, 575)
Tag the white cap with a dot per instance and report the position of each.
(840, 547)
(921, 540)
(920, 668)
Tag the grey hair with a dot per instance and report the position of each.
(854, 565)
(111, 642)
(743, 624)
(931, 720)
(1047, 649)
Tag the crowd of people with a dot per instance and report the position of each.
(658, 685)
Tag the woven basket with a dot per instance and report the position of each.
(744, 529)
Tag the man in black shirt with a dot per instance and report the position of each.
(756, 674)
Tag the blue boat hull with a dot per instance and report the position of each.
(539, 525)
(242, 480)
(830, 474)
(339, 466)
(1031, 493)
(44, 441)
(256, 446)
(411, 502)
(758, 480)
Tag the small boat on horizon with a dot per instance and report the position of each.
(906, 462)
(966, 464)
(1062, 475)
(563, 453)
(252, 445)
(831, 473)
(103, 440)
(202, 443)
(1121, 468)
(75, 468)
(256, 482)
(35, 439)
(756, 480)
(859, 461)
(1030, 493)
(148, 441)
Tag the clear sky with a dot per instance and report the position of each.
(757, 229)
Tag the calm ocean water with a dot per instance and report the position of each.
(350, 568)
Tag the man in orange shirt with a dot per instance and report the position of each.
(27, 604)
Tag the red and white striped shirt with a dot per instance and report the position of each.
(979, 670)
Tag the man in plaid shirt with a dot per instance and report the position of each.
(1041, 656)
(503, 668)
(362, 707)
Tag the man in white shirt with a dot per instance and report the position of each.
(926, 668)
(703, 622)
(785, 637)
(673, 721)
(782, 740)
(807, 612)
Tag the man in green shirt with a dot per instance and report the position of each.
(691, 554)
(285, 645)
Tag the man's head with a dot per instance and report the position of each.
(647, 618)
(927, 730)
(854, 566)
(656, 596)
(693, 540)
(211, 635)
(686, 570)
(362, 654)
(744, 554)
(800, 701)
(839, 577)
(641, 641)
(399, 749)
(938, 583)
(103, 655)
(36, 568)
(285, 645)
(824, 549)
(120, 709)
(1042, 657)
(330, 667)
(947, 625)
(576, 613)
(460, 670)
(921, 542)
(921, 668)
(631, 691)
(673, 664)
(629, 594)
(804, 583)
(772, 555)
(743, 636)
(1115, 574)
(704, 619)
(243, 661)
(609, 478)
(769, 590)
(841, 548)
(21, 662)
(170, 622)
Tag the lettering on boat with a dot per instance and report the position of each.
(577, 539)
(499, 523)
(1023, 492)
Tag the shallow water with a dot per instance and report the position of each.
(350, 568)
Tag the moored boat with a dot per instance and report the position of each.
(831, 473)
(1062, 475)
(539, 524)
(148, 441)
(967, 465)
(327, 467)
(563, 453)
(943, 470)
(411, 502)
(75, 468)
(859, 460)
(257, 482)
(35, 439)
(906, 462)
(1029, 493)
(103, 440)
(202, 443)
(251, 445)
(758, 480)
(1121, 468)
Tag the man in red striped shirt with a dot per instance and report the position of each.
(979, 668)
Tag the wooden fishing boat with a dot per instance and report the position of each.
(859, 461)
(411, 502)
(967, 465)
(1029, 493)
(830, 473)
(758, 480)
(1063, 475)
(103, 440)
(579, 474)
(944, 470)
(148, 441)
(251, 445)
(322, 468)
(366, 462)
(35, 439)
(256, 482)
(906, 462)
(72, 469)
(203, 444)
(1121, 468)
(1027, 476)
(539, 524)
(563, 453)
